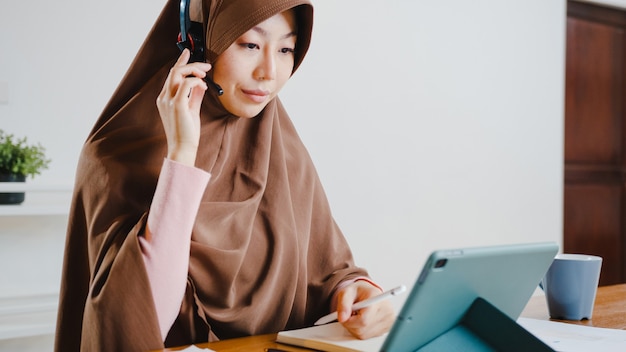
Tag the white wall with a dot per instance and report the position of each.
(60, 62)
(435, 124)
(432, 123)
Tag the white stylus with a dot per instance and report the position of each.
(362, 304)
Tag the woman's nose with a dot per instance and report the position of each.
(266, 69)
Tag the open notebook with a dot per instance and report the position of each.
(329, 337)
(448, 287)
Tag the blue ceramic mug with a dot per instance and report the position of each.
(570, 285)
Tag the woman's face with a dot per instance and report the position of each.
(257, 65)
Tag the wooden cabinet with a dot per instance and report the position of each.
(595, 136)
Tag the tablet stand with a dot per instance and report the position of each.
(485, 328)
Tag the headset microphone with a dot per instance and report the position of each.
(190, 37)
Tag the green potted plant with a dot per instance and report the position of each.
(19, 160)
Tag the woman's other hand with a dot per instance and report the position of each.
(368, 322)
(179, 106)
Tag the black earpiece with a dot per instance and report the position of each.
(191, 37)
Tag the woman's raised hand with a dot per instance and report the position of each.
(179, 106)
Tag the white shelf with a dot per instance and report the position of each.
(40, 200)
(32, 187)
(28, 316)
(30, 210)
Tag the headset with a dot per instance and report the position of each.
(191, 37)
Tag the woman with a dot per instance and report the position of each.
(201, 217)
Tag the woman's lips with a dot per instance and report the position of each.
(256, 95)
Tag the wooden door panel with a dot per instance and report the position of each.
(594, 92)
(593, 216)
(594, 155)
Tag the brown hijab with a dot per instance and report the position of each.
(266, 254)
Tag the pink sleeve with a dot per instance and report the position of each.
(167, 239)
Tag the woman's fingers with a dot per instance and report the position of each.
(183, 58)
(372, 321)
(181, 71)
(189, 94)
(367, 322)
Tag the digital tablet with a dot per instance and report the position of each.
(451, 280)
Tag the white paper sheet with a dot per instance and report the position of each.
(564, 337)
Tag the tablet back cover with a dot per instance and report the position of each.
(450, 281)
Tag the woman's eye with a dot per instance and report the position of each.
(250, 46)
(287, 50)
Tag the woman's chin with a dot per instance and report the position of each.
(247, 113)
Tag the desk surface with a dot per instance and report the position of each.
(609, 312)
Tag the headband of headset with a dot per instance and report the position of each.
(190, 36)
